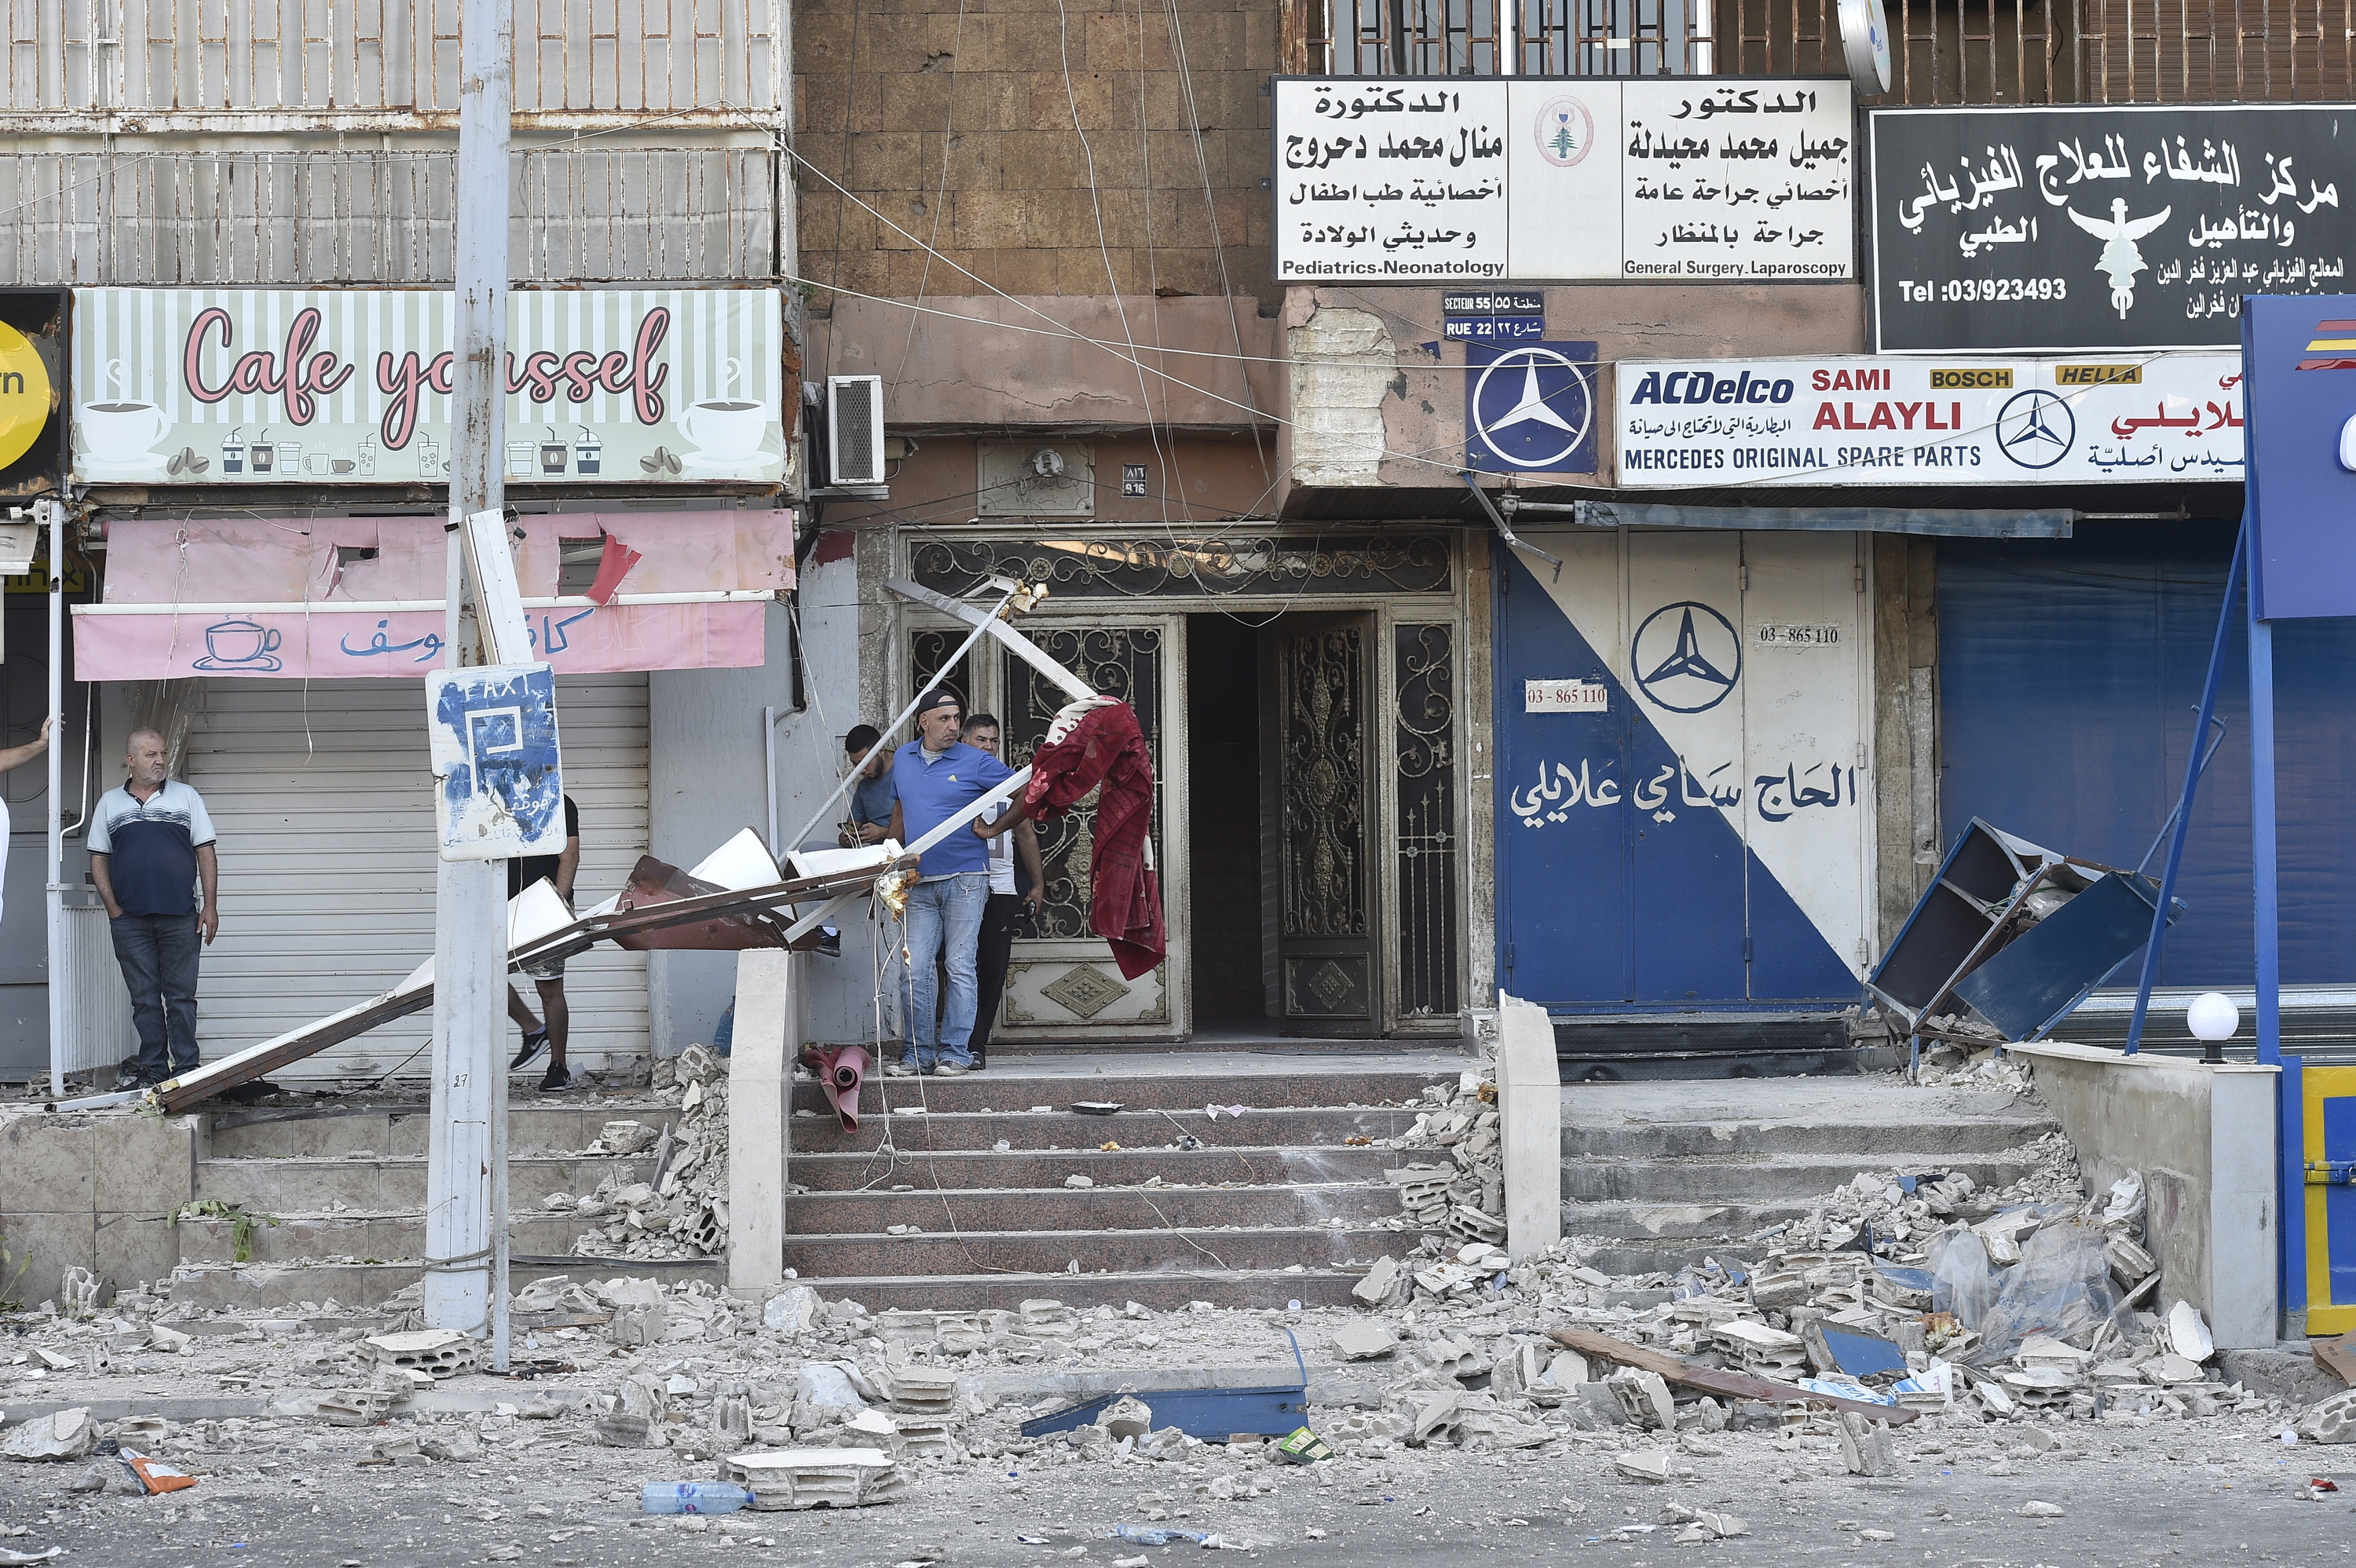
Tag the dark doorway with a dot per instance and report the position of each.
(1223, 811)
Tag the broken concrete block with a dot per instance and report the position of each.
(438, 1352)
(822, 1392)
(1043, 1315)
(455, 1444)
(2330, 1421)
(917, 1390)
(791, 1311)
(621, 1429)
(1359, 1340)
(357, 1406)
(814, 1478)
(1644, 1398)
(168, 1340)
(2035, 1510)
(1128, 1417)
(1656, 1466)
(1864, 1445)
(1435, 1416)
(1375, 1289)
(625, 1138)
(60, 1435)
(2188, 1335)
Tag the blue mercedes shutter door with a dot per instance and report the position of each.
(2068, 673)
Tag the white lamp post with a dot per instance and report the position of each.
(2213, 1018)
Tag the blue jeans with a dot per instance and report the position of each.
(158, 955)
(944, 923)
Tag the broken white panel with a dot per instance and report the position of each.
(498, 791)
(743, 862)
(535, 912)
(498, 599)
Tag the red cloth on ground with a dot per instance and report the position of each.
(1105, 751)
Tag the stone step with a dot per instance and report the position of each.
(1100, 1209)
(246, 1287)
(1760, 1180)
(1164, 1290)
(1133, 1130)
(1117, 1252)
(1872, 1145)
(960, 1169)
(400, 1131)
(299, 1186)
(1012, 1084)
(1646, 1223)
(379, 1238)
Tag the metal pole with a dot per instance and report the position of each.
(2183, 823)
(54, 514)
(2290, 1089)
(466, 1238)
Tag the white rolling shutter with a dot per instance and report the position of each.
(320, 793)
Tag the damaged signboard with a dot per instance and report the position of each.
(2015, 933)
(498, 792)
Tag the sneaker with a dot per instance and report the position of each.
(557, 1081)
(899, 1070)
(829, 942)
(533, 1044)
(951, 1069)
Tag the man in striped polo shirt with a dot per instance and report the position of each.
(150, 844)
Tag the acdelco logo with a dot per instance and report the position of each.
(2335, 341)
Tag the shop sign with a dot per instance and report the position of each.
(1942, 420)
(1566, 696)
(2302, 398)
(2079, 228)
(352, 387)
(1384, 180)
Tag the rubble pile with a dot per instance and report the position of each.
(1964, 1063)
(1464, 1198)
(683, 1211)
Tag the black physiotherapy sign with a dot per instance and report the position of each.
(2100, 228)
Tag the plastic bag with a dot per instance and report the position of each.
(1962, 1282)
(2062, 1287)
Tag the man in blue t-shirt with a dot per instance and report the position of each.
(935, 779)
(151, 843)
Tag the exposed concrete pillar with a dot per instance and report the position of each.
(1529, 1122)
(760, 1080)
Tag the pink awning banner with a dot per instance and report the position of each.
(323, 597)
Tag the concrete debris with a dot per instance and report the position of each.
(2332, 1420)
(2188, 1335)
(60, 1435)
(683, 1212)
(2041, 1510)
(1359, 1340)
(438, 1352)
(1864, 1445)
(1128, 1417)
(1657, 1465)
(815, 1477)
(1644, 1398)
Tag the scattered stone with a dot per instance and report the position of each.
(2041, 1510)
(1359, 1340)
(1864, 1445)
(1656, 1466)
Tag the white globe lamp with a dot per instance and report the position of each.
(2213, 1018)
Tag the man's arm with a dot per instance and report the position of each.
(1019, 812)
(894, 832)
(1026, 851)
(17, 756)
(568, 865)
(105, 881)
(208, 873)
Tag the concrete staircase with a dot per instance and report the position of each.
(299, 1164)
(1273, 1206)
(1668, 1172)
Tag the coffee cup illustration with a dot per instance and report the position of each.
(234, 451)
(552, 452)
(120, 432)
(241, 645)
(728, 429)
(589, 452)
(263, 453)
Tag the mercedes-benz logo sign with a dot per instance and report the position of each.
(2035, 429)
(1685, 657)
(1532, 407)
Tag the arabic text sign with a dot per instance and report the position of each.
(2301, 354)
(1949, 421)
(1380, 179)
(170, 646)
(352, 387)
(2100, 229)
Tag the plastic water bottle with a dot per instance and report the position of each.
(692, 1496)
(1155, 1534)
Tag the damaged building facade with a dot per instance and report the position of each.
(244, 235)
(1824, 505)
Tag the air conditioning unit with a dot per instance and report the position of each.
(854, 429)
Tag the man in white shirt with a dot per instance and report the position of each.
(1006, 903)
(150, 843)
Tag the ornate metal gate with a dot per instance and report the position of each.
(1317, 822)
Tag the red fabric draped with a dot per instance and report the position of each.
(1105, 751)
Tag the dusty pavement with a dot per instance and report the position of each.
(2206, 1495)
(2206, 1491)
